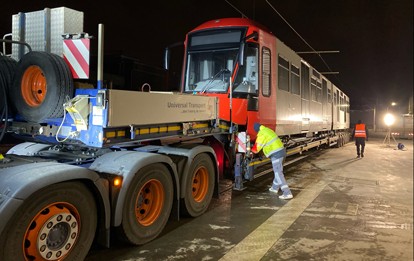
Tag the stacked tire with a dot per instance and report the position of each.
(7, 69)
(42, 83)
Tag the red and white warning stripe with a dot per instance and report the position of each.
(241, 141)
(76, 55)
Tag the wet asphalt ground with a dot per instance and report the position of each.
(343, 208)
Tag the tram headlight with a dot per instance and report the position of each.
(389, 119)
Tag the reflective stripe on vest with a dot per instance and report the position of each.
(360, 131)
(268, 140)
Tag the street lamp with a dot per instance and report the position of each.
(389, 120)
(392, 105)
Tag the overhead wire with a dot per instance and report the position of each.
(240, 12)
(293, 29)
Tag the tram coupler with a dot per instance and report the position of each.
(238, 180)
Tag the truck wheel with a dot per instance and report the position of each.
(41, 84)
(199, 186)
(55, 223)
(147, 205)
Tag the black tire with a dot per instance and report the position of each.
(7, 69)
(199, 186)
(61, 204)
(148, 205)
(41, 84)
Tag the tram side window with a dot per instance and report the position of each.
(313, 89)
(266, 72)
(338, 107)
(318, 91)
(324, 91)
(295, 81)
(347, 105)
(346, 108)
(329, 95)
(304, 81)
(283, 74)
(316, 88)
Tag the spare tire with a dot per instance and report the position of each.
(41, 84)
(7, 69)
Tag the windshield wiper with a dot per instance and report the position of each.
(207, 87)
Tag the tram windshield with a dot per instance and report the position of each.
(211, 60)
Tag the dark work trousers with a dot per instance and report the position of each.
(360, 145)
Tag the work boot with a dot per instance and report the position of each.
(362, 155)
(358, 156)
(287, 196)
(273, 190)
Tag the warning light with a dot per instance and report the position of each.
(117, 182)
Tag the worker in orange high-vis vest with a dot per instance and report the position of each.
(360, 135)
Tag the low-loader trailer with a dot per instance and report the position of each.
(97, 162)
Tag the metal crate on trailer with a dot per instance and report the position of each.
(43, 29)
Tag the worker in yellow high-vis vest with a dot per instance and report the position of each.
(273, 148)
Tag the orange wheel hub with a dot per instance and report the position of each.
(52, 232)
(200, 184)
(33, 86)
(149, 202)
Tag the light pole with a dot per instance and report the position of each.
(374, 110)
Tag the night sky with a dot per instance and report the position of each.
(374, 37)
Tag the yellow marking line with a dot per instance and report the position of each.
(257, 243)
